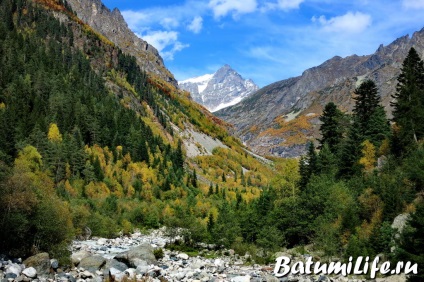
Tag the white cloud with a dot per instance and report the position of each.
(169, 23)
(196, 25)
(178, 46)
(348, 23)
(161, 39)
(284, 5)
(133, 18)
(413, 4)
(289, 4)
(221, 8)
(166, 42)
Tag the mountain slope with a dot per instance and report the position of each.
(286, 112)
(112, 25)
(89, 141)
(219, 90)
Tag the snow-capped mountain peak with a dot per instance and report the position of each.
(222, 89)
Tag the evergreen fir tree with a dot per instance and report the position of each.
(378, 127)
(351, 152)
(194, 179)
(331, 128)
(408, 109)
(369, 114)
(326, 161)
(366, 102)
(308, 165)
(411, 246)
(210, 223)
(210, 193)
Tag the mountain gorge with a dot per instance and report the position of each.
(286, 112)
(219, 90)
(92, 143)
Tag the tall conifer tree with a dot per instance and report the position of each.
(331, 128)
(408, 109)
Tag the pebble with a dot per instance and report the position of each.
(30, 272)
(173, 267)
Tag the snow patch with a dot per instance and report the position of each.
(228, 104)
(201, 81)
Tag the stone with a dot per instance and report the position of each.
(270, 278)
(54, 263)
(113, 272)
(113, 263)
(393, 278)
(78, 256)
(30, 272)
(219, 263)
(399, 223)
(13, 268)
(92, 263)
(86, 274)
(10, 276)
(119, 277)
(179, 276)
(41, 262)
(182, 256)
(142, 269)
(241, 279)
(102, 241)
(134, 255)
(130, 272)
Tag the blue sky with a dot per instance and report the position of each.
(266, 40)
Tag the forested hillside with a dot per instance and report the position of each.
(88, 140)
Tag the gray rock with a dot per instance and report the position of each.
(183, 256)
(113, 263)
(134, 256)
(142, 269)
(206, 279)
(399, 222)
(13, 268)
(10, 276)
(78, 256)
(270, 278)
(30, 272)
(113, 272)
(112, 25)
(86, 274)
(180, 276)
(130, 272)
(41, 263)
(92, 263)
(54, 263)
(241, 279)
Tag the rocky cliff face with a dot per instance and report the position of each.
(112, 25)
(280, 118)
(219, 90)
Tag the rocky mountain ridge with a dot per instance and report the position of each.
(216, 91)
(112, 25)
(280, 118)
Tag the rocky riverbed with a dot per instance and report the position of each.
(132, 258)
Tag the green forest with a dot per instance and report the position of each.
(87, 139)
